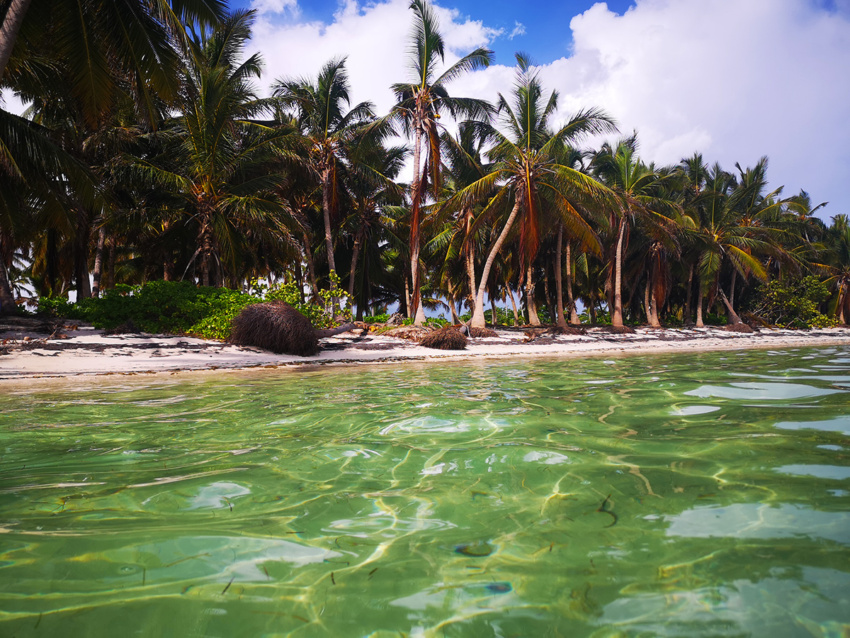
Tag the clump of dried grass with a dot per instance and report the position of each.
(444, 339)
(275, 326)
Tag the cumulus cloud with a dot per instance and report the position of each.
(519, 29)
(275, 6)
(733, 80)
(375, 37)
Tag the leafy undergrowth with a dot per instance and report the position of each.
(175, 307)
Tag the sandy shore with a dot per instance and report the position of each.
(82, 350)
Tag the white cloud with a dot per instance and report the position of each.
(519, 29)
(275, 6)
(375, 37)
(734, 80)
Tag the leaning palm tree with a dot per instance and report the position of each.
(218, 162)
(420, 104)
(528, 179)
(327, 131)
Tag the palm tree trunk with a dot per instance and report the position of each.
(7, 298)
(699, 323)
(617, 310)
(98, 262)
(729, 309)
(12, 22)
(732, 288)
(355, 255)
(416, 301)
(110, 264)
(513, 303)
(329, 243)
(477, 320)
(311, 267)
(574, 318)
(559, 291)
(326, 214)
(470, 271)
(81, 254)
(530, 302)
(687, 318)
(451, 298)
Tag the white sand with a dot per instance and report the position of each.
(87, 351)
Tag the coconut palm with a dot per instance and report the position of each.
(527, 177)
(420, 105)
(641, 201)
(327, 129)
(218, 163)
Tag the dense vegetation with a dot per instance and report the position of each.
(149, 177)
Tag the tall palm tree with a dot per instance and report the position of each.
(528, 178)
(640, 201)
(420, 105)
(328, 130)
(218, 164)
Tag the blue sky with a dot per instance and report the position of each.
(733, 79)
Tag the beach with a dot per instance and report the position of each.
(77, 349)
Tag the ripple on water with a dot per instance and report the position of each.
(754, 390)
(831, 472)
(755, 520)
(840, 424)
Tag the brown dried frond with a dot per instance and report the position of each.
(445, 339)
(738, 327)
(567, 330)
(275, 326)
(478, 333)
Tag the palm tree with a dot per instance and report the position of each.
(218, 163)
(726, 234)
(640, 201)
(420, 104)
(101, 42)
(528, 178)
(327, 130)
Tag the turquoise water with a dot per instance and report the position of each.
(689, 495)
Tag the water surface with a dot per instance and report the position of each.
(687, 495)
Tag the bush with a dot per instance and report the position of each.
(793, 303)
(384, 318)
(180, 307)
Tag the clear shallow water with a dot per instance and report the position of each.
(696, 495)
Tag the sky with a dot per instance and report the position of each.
(732, 79)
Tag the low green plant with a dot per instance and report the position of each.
(793, 303)
(384, 318)
(176, 307)
(437, 322)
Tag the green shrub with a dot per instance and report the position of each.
(793, 303)
(384, 318)
(177, 307)
(437, 322)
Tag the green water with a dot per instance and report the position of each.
(698, 495)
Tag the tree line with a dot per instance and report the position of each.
(146, 153)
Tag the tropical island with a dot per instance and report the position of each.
(158, 214)
(169, 196)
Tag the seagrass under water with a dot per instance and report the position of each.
(674, 495)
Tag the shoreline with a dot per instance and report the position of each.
(85, 352)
